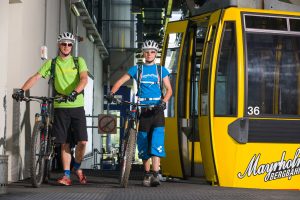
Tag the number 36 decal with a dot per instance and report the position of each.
(253, 110)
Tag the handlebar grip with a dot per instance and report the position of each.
(26, 99)
(61, 99)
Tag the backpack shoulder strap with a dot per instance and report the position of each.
(139, 77)
(75, 59)
(159, 71)
(52, 72)
(52, 77)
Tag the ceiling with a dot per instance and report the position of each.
(151, 18)
(153, 15)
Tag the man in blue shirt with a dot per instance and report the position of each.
(150, 137)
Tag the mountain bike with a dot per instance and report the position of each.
(42, 142)
(128, 142)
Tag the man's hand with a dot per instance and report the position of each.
(18, 95)
(110, 97)
(162, 105)
(72, 97)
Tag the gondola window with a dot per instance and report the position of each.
(273, 69)
(226, 80)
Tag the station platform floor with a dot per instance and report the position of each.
(104, 185)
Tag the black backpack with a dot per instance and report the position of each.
(52, 72)
(139, 77)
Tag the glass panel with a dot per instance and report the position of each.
(273, 74)
(171, 62)
(226, 80)
(263, 22)
(205, 74)
(295, 24)
(199, 45)
(183, 79)
(88, 107)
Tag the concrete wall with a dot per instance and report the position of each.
(4, 14)
(25, 27)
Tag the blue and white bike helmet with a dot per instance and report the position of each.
(150, 44)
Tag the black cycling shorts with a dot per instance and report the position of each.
(151, 119)
(69, 125)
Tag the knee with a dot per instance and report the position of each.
(65, 146)
(82, 144)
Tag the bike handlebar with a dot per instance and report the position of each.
(120, 101)
(58, 99)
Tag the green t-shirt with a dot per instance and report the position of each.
(66, 79)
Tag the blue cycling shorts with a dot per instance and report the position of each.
(151, 135)
(151, 144)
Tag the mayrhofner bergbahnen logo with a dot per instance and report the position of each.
(283, 168)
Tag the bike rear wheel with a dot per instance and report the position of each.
(128, 150)
(38, 151)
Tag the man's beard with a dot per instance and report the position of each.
(65, 54)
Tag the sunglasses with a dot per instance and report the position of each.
(66, 44)
(152, 52)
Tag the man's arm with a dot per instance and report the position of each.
(168, 86)
(31, 81)
(119, 83)
(83, 81)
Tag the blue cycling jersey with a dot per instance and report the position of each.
(149, 83)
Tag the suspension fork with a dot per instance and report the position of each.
(36, 117)
(45, 129)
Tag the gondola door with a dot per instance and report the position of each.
(172, 165)
(206, 101)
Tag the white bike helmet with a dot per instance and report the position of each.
(150, 44)
(66, 36)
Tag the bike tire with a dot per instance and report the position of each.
(128, 155)
(48, 170)
(49, 160)
(37, 156)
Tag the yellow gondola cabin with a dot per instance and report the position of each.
(234, 116)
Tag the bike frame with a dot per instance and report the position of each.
(132, 118)
(42, 146)
(128, 142)
(45, 117)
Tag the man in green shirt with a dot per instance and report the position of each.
(69, 80)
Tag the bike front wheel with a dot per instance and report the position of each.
(49, 158)
(38, 149)
(128, 150)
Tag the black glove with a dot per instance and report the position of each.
(18, 95)
(72, 97)
(162, 105)
(110, 97)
